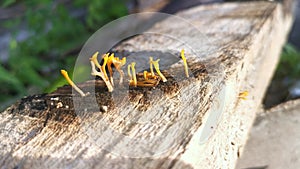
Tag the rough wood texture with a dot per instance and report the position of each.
(165, 127)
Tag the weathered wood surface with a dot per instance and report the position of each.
(163, 127)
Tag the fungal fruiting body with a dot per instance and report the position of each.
(184, 63)
(243, 95)
(156, 66)
(94, 62)
(133, 80)
(105, 58)
(66, 76)
(145, 74)
(118, 63)
(109, 63)
(148, 75)
(146, 79)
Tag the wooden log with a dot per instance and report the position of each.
(150, 6)
(195, 122)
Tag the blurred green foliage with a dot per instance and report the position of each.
(110, 9)
(289, 64)
(55, 38)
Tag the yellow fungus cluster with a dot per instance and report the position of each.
(108, 61)
(112, 60)
(145, 79)
(94, 62)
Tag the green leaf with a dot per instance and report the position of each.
(82, 73)
(14, 83)
(289, 64)
(7, 3)
(13, 44)
(54, 85)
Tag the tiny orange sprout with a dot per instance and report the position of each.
(94, 62)
(156, 66)
(66, 76)
(133, 80)
(185, 63)
(146, 79)
(243, 95)
(145, 75)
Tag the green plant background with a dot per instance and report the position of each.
(289, 64)
(55, 39)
